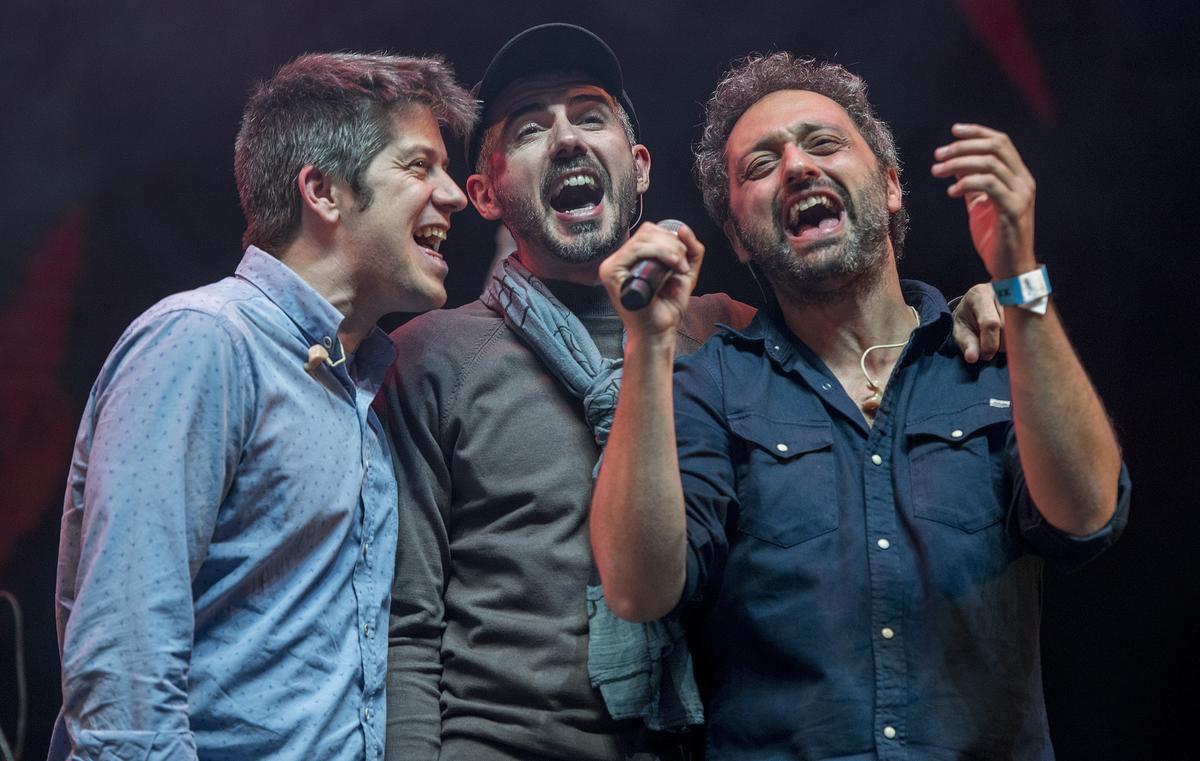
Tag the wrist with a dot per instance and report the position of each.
(1028, 290)
(651, 346)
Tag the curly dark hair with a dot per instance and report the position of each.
(753, 78)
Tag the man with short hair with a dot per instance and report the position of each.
(229, 527)
(834, 492)
(495, 407)
(499, 411)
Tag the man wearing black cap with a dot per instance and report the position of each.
(489, 637)
(499, 411)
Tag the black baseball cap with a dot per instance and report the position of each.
(548, 47)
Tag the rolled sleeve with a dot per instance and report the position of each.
(1066, 552)
(706, 470)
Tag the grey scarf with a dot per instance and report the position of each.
(642, 670)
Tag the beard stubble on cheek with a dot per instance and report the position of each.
(825, 267)
(529, 216)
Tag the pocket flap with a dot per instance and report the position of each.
(962, 424)
(784, 440)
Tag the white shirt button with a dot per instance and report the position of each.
(367, 630)
(887, 632)
(876, 459)
(956, 434)
(889, 733)
(367, 713)
(782, 447)
(883, 544)
(826, 385)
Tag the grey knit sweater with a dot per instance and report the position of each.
(488, 640)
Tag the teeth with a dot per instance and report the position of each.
(430, 232)
(430, 236)
(575, 180)
(805, 204)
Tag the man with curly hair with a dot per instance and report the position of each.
(833, 490)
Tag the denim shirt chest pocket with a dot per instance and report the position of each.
(957, 465)
(786, 479)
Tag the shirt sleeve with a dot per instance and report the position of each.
(1064, 551)
(706, 470)
(155, 456)
(410, 409)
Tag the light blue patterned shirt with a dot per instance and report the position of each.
(228, 535)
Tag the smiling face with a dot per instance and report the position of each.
(808, 201)
(402, 217)
(561, 174)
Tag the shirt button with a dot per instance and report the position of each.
(367, 714)
(328, 342)
(956, 434)
(366, 550)
(826, 385)
(883, 544)
(876, 459)
(889, 733)
(782, 447)
(367, 630)
(887, 633)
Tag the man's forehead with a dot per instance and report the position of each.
(545, 88)
(783, 114)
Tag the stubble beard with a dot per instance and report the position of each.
(818, 276)
(530, 218)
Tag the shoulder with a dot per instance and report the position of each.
(706, 312)
(447, 330)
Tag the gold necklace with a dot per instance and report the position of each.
(872, 402)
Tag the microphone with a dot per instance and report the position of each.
(646, 276)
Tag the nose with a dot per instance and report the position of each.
(797, 165)
(565, 141)
(448, 196)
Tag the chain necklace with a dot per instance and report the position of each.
(872, 402)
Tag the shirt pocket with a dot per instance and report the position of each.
(786, 481)
(956, 466)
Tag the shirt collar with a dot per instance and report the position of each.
(769, 329)
(317, 319)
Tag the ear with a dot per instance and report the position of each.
(641, 160)
(482, 193)
(894, 194)
(319, 196)
(735, 242)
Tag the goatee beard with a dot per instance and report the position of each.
(819, 276)
(530, 218)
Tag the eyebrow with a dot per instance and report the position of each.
(790, 132)
(540, 105)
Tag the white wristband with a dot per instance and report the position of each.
(1027, 291)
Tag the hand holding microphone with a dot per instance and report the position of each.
(647, 276)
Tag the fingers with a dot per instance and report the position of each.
(968, 344)
(979, 324)
(649, 242)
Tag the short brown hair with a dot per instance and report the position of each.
(333, 111)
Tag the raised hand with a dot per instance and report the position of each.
(999, 192)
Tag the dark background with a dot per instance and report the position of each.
(116, 146)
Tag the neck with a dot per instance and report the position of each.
(841, 328)
(327, 276)
(546, 266)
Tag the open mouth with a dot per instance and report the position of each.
(430, 237)
(814, 215)
(576, 193)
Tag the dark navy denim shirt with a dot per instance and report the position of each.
(864, 592)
